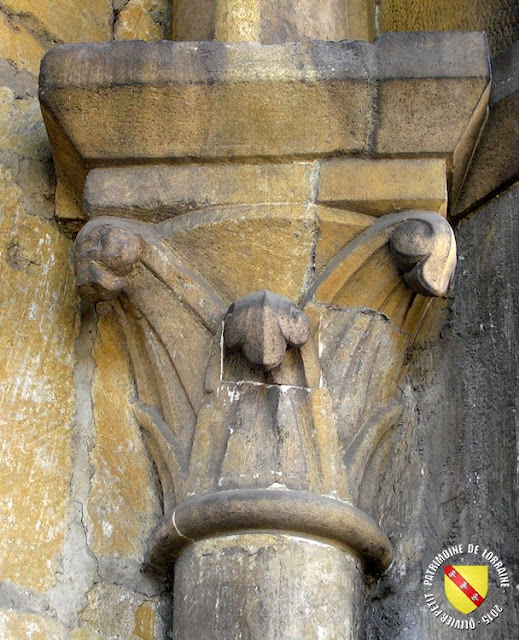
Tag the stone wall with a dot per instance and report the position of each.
(451, 471)
(499, 18)
(78, 494)
(452, 476)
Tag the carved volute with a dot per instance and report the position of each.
(268, 290)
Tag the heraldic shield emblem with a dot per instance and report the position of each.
(466, 586)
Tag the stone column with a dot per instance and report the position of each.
(266, 585)
(272, 21)
(268, 289)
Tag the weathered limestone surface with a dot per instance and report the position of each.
(63, 572)
(141, 19)
(385, 186)
(116, 613)
(122, 505)
(239, 452)
(457, 443)
(24, 147)
(265, 415)
(208, 101)
(496, 160)
(19, 45)
(499, 18)
(18, 626)
(272, 22)
(37, 391)
(47, 569)
(62, 21)
(240, 576)
(220, 243)
(160, 192)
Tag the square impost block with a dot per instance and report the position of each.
(129, 103)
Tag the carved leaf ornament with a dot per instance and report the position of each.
(266, 397)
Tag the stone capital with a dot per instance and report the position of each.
(270, 226)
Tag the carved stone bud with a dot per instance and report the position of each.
(262, 325)
(104, 255)
(425, 251)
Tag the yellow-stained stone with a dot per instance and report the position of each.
(336, 229)
(141, 20)
(271, 21)
(67, 207)
(25, 145)
(427, 15)
(490, 169)
(364, 281)
(38, 313)
(433, 321)
(242, 100)
(84, 634)
(221, 244)
(19, 45)
(361, 19)
(184, 27)
(238, 20)
(65, 20)
(22, 626)
(122, 505)
(497, 17)
(110, 613)
(147, 623)
(369, 276)
(378, 187)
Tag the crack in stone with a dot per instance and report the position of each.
(315, 180)
(79, 569)
(31, 23)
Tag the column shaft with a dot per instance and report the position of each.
(273, 21)
(268, 586)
